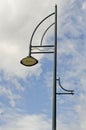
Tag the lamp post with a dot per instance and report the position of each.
(30, 61)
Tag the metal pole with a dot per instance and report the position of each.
(54, 76)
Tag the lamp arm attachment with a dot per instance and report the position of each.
(36, 29)
(71, 91)
(45, 33)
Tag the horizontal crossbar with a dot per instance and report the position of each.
(42, 52)
(65, 93)
(44, 46)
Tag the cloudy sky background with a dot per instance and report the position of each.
(26, 93)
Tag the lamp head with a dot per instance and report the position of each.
(29, 61)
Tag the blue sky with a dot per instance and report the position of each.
(26, 93)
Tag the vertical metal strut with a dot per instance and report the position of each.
(54, 76)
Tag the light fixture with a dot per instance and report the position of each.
(29, 61)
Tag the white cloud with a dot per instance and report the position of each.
(18, 19)
(48, 79)
(17, 85)
(7, 93)
(84, 5)
(72, 65)
(32, 122)
(16, 26)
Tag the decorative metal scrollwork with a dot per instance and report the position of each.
(66, 90)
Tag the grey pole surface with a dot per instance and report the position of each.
(54, 76)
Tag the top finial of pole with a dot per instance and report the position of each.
(56, 5)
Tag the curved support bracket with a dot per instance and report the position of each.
(36, 29)
(66, 91)
(45, 33)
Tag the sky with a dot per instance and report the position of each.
(26, 93)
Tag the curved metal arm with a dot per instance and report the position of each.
(36, 29)
(70, 91)
(45, 33)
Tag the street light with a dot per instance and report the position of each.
(30, 61)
